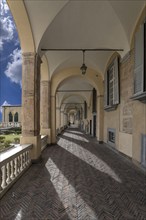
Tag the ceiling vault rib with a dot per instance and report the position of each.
(96, 49)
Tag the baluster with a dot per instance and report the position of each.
(1, 180)
(29, 160)
(24, 160)
(8, 180)
(12, 170)
(18, 164)
(4, 175)
(28, 157)
(21, 162)
(15, 167)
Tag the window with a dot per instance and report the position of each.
(111, 97)
(140, 64)
(85, 109)
(94, 100)
(10, 117)
(111, 136)
(16, 117)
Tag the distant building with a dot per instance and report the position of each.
(11, 116)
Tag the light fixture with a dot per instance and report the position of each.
(83, 67)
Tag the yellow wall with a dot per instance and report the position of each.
(129, 119)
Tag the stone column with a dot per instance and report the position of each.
(65, 119)
(100, 118)
(53, 120)
(62, 118)
(45, 109)
(58, 119)
(31, 103)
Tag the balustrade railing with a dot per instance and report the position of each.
(12, 164)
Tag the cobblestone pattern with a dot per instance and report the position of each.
(77, 179)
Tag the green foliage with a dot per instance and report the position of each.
(7, 144)
(2, 139)
(17, 140)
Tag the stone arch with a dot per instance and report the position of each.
(73, 94)
(22, 22)
(93, 77)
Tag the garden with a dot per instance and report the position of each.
(9, 137)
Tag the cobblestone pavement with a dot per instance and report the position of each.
(77, 179)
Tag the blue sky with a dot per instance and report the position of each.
(10, 59)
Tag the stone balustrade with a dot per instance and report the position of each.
(12, 164)
(44, 141)
(10, 124)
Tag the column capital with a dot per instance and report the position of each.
(100, 96)
(28, 54)
(45, 82)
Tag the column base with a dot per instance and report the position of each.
(36, 150)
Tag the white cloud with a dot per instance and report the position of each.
(4, 7)
(7, 26)
(1, 44)
(4, 104)
(14, 68)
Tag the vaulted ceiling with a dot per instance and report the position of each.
(82, 24)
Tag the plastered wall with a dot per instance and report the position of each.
(129, 119)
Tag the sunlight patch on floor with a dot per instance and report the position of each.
(75, 132)
(62, 185)
(76, 137)
(19, 215)
(88, 157)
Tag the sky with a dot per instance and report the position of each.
(10, 59)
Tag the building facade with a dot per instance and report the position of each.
(11, 116)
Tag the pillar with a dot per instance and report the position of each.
(53, 119)
(62, 118)
(100, 118)
(31, 103)
(45, 109)
(58, 119)
(65, 119)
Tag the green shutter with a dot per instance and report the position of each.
(116, 82)
(105, 91)
(139, 61)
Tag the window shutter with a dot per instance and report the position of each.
(85, 109)
(116, 82)
(139, 61)
(94, 100)
(105, 91)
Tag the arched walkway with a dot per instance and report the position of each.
(77, 179)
